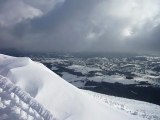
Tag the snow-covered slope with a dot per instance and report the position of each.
(62, 99)
(145, 110)
(16, 104)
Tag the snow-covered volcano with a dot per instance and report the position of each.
(62, 99)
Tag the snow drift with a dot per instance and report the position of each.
(62, 99)
(13, 96)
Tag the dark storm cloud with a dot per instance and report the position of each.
(147, 40)
(82, 25)
(63, 28)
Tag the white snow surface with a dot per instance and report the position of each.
(145, 110)
(61, 98)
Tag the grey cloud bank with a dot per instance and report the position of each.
(80, 25)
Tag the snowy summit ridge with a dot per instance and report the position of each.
(58, 97)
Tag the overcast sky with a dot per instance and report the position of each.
(80, 25)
